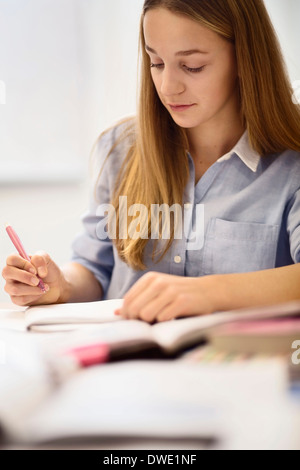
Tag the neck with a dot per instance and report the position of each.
(208, 143)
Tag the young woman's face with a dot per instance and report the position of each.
(193, 69)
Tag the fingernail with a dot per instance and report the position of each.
(32, 271)
(42, 272)
(34, 281)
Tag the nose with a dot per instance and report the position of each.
(171, 84)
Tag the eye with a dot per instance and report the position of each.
(188, 69)
(157, 66)
(194, 70)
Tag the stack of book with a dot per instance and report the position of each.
(260, 336)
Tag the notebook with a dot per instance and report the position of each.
(95, 322)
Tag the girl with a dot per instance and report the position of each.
(217, 135)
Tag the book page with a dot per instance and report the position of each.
(170, 336)
(12, 319)
(116, 334)
(173, 335)
(39, 318)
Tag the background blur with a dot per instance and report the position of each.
(70, 71)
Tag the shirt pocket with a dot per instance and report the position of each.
(237, 247)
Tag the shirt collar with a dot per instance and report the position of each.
(243, 150)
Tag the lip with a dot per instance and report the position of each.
(180, 107)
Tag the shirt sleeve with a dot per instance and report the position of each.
(293, 227)
(88, 249)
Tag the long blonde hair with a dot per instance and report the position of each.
(156, 170)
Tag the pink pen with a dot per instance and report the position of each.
(21, 250)
(100, 353)
(90, 355)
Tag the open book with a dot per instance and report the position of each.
(96, 323)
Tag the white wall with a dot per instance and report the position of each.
(70, 70)
(285, 15)
(108, 55)
(40, 123)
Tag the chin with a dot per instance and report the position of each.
(186, 123)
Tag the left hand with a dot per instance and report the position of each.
(162, 297)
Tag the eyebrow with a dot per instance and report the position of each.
(180, 53)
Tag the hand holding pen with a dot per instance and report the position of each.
(21, 250)
(30, 280)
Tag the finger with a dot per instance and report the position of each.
(148, 287)
(16, 289)
(25, 300)
(18, 262)
(141, 302)
(139, 286)
(41, 260)
(176, 308)
(155, 308)
(10, 273)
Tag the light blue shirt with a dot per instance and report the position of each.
(251, 218)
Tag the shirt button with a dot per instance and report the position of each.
(177, 259)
